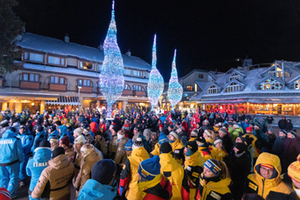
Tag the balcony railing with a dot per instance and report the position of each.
(31, 85)
(126, 93)
(86, 89)
(139, 93)
(57, 87)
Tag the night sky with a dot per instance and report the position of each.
(208, 34)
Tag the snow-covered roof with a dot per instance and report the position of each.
(56, 46)
(74, 71)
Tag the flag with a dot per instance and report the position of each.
(169, 120)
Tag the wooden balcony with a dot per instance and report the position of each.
(30, 85)
(126, 93)
(86, 89)
(57, 87)
(139, 93)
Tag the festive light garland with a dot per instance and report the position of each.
(175, 89)
(156, 81)
(111, 75)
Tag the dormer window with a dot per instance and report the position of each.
(86, 65)
(35, 57)
(270, 84)
(233, 87)
(279, 73)
(235, 76)
(189, 87)
(213, 90)
(297, 84)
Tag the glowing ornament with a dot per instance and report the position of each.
(175, 89)
(156, 81)
(111, 75)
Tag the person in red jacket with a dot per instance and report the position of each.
(152, 184)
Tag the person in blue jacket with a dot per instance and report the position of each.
(70, 133)
(38, 163)
(26, 141)
(64, 132)
(39, 136)
(52, 132)
(102, 185)
(10, 159)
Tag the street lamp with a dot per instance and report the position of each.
(79, 87)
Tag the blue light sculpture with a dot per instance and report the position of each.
(156, 81)
(111, 75)
(175, 89)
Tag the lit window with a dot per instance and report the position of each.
(36, 57)
(86, 65)
(212, 90)
(233, 87)
(54, 60)
(270, 84)
(297, 84)
(189, 87)
(31, 77)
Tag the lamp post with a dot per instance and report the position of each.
(79, 87)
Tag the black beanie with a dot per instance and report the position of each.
(58, 123)
(165, 131)
(40, 128)
(192, 145)
(103, 171)
(58, 151)
(165, 148)
(44, 143)
(241, 147)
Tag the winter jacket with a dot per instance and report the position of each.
(214, 188)
(93, 190)
(53, 134)
(236, 132)
(278, 147)
(121, 155)
(155, 151)
(129, 174)
(291, 151)
(10, 148)
(270, 119)
(103, 145)
(16, 125)
(54, 180)
(70, 153)
(26, 141)
(239, 166)
(37, 139)
(183, 138)
(177, 149)
(255, 144)
(37, 164)
(227, 143)
(268, 188)
(193, 167)
(289, 126)
(157, 189)
(2, 130)
(153, 143)
(218, 154)
(261, 137)
(113, 144)
(245, 126)
(176, 175)
(204, 151)
(86, 168)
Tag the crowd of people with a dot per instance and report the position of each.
(170, 155)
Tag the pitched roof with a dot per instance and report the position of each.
(56, 46)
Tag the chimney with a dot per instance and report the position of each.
(100, 47)
(216, 71)
(128, 53)
(67, 39)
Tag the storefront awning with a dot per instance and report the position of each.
(64, 101)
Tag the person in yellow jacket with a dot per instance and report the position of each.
(255, 143)
(214, 181)
(174, 173)
(162, 138)
(194, 135)
(209, 136)
(129, 179)
(218, 152)
(266, 178)
(294, 174)
(177, 147)
(193, 166)
(203, 148)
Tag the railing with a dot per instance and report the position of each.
(33, 85)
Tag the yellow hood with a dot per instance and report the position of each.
(194, 160)
(176, 145)
(140, 152)
(167, 162)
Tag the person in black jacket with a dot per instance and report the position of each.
(289, 126)
(271, 137)
(282, 123)
(270, 119)
(227, 142)
(239, 166)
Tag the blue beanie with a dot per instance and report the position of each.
(128, 146)
(149, 168)
(162, 138)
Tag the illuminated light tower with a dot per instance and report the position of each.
(175, 89)
(156, 81)
(111, 75)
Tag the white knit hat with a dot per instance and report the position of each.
(194, 133)
(174, 134)
(217, 141)
(78, 131)
(79, 140)
(236, 126)
(207, 132)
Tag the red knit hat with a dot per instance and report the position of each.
(249, 129)
(4, 194)
(65, 140)
(160, 126)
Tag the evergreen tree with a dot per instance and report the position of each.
(10, 27)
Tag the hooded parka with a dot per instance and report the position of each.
(272, 188)
(85, 168)
(129, 173)
(177, 148)
(121, 155)
(55, 179)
